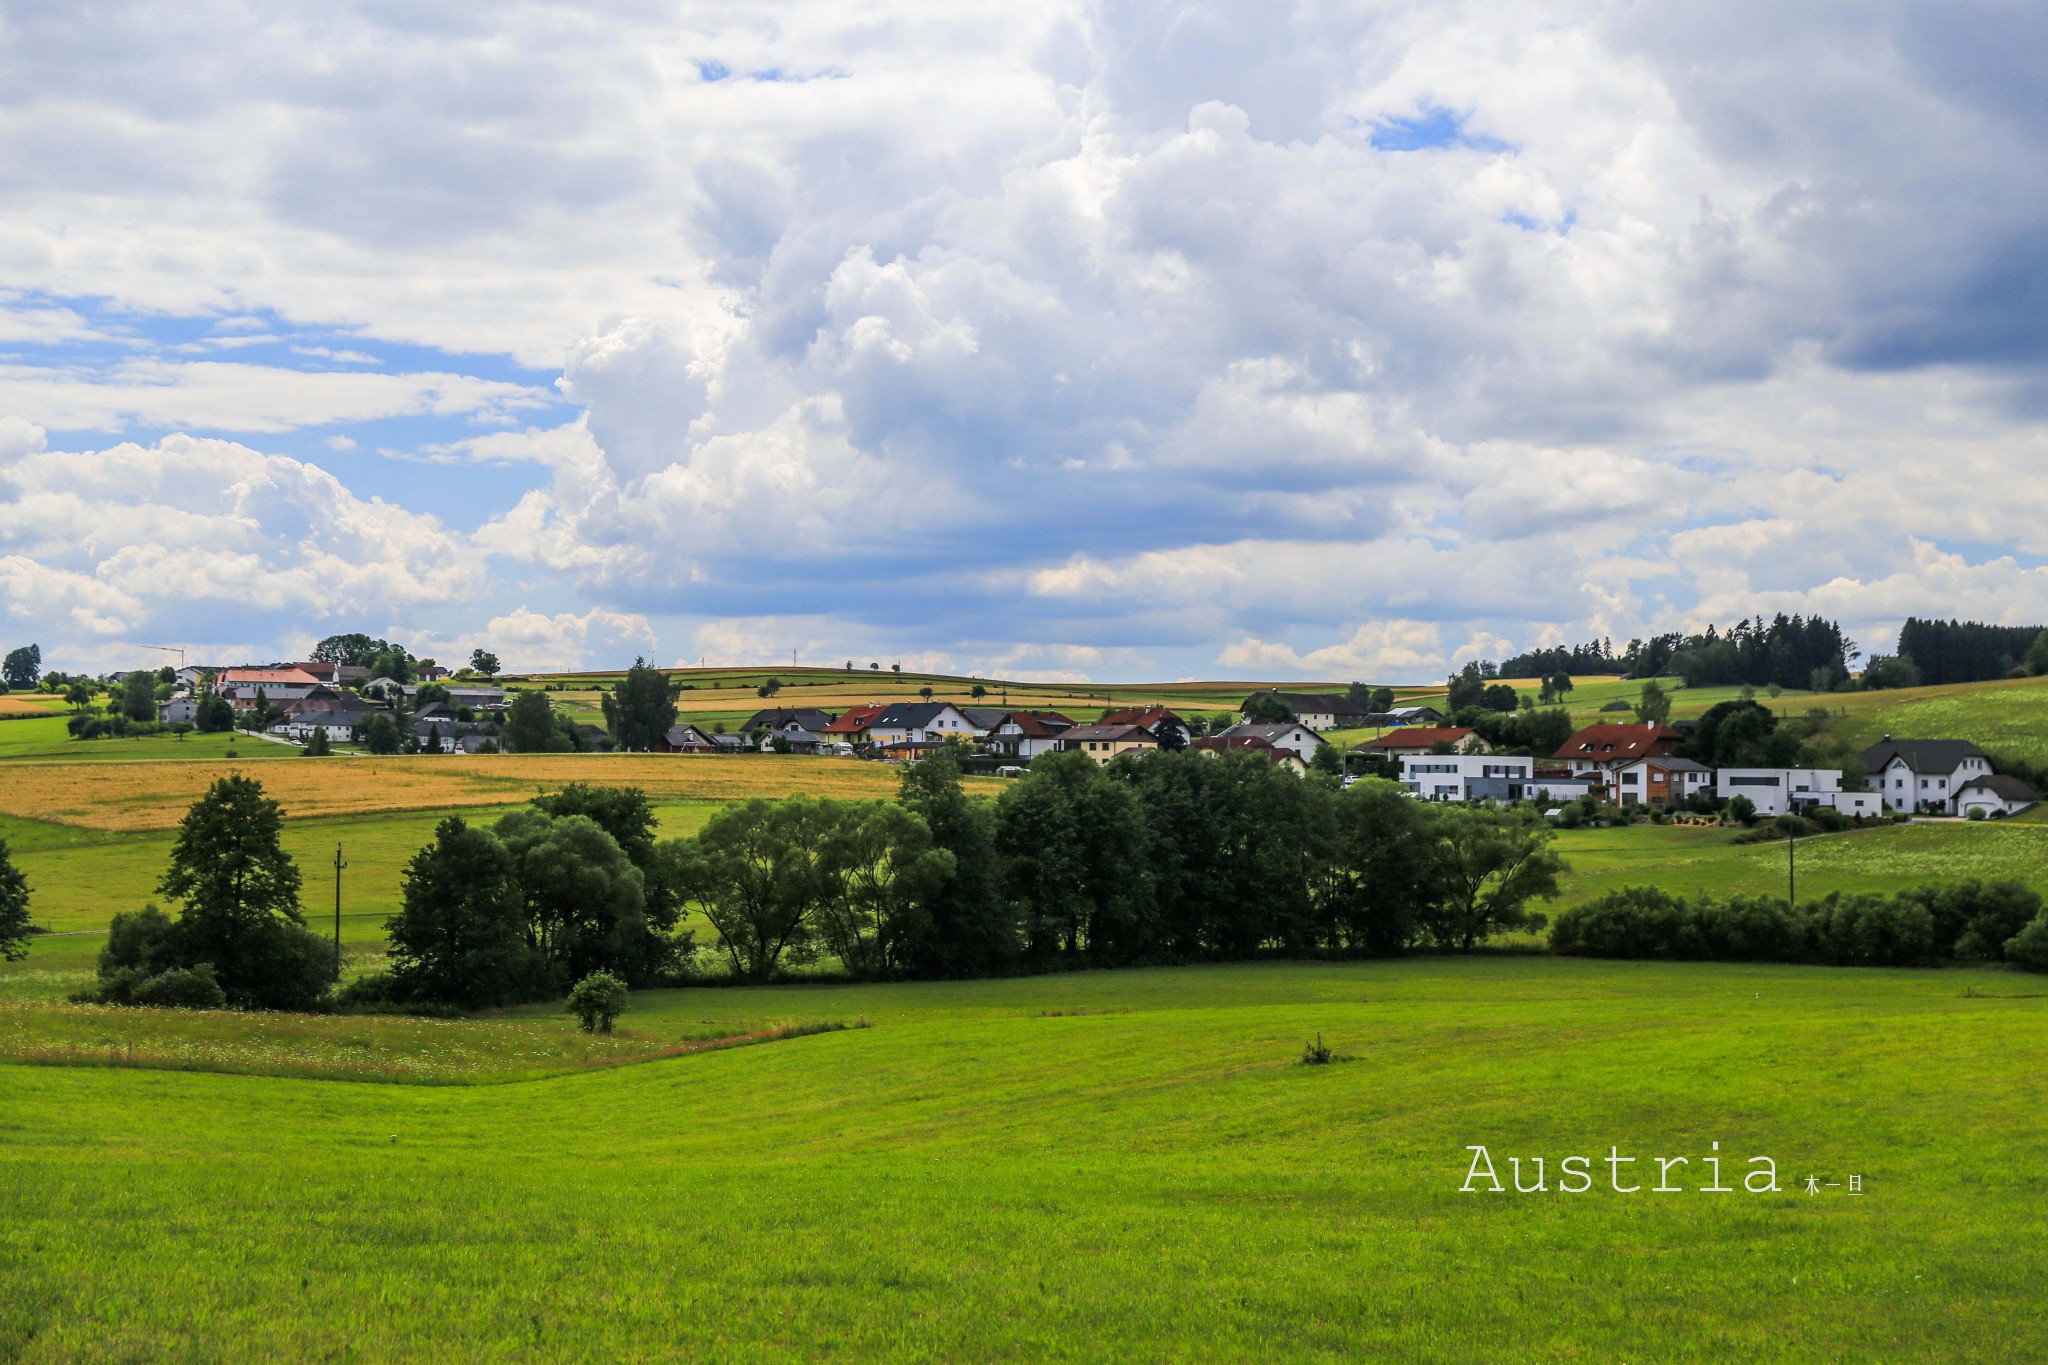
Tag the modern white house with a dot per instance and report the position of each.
(1290, 735)
(916, 722)
(1780, 791)
(1997, 796)
(1468, 777)
(1919, 776)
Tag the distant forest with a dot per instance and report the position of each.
(1965, 651)
(1790, 651)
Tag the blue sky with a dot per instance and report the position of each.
(1115, 342)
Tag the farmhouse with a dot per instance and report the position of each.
(1602, 751)
(1212, 745)
(1924, 775)
(789, 719)
(690, 739)
(276, 684)
(179, 710)
(339, 725)
(1158, 721)
(1403, 715)
(1316, 710)
(854, 722)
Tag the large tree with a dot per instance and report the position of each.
(23, 666)
(240, 895)
(583, 900)
(640, 710)
(460, 936)
(625, 814)
(14, 926)
(530, 724)
(484, 662)
(1074, 842)
(1380, 877)
(973, 925)
(138, 695)
(758, 870)
(1488, 865)
(882, 873)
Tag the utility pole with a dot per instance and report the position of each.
(338, 866)
(1791, 869)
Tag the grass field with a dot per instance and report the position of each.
(1123, 1166)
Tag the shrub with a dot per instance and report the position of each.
(1315, 1054)
(1976, 813)
(2029, 947)
(1634, 922)
(1742, 810)
(190, 988)
(1873, 931)
(597, 1000)
(372, 988)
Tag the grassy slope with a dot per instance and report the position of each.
(979, 1178)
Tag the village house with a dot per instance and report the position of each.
(341, 726)
(1104, 742)
(1290, 735)
(1026, 734)
(1662, 781)
(1917, 776)
(915, 722)
(1316, 710)
(1422, 739)
(1213, 745)
(1602, 751)
(1997, 796)
(241, 685)
(691, 739)
(179, 710)
(1780, 791)
(1467, 777)
(854, 723)
(790, 720)
(1158, 721)
(1403, 715)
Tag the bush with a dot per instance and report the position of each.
(597, 1000)
(1315, 1054)
(1873, 931)
(2029, 947)
(373, 988)
(1741, 810)
(182, 988)
(1974, 919)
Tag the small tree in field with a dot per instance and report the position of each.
(317, 746)
(597, 1000)
(13, 909)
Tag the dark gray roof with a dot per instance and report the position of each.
(1922, 755)
(915, 714)
(1268, 730)
(333, 720)
(984, 717)
(1999, 784)
(779, 718)
(1315, 703)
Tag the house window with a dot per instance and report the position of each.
(1630, 778)
(1753, 782)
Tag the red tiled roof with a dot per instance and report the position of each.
(1609, 743)
(256, 677)
(1146, 716)
(856, 720)
(1420, 737)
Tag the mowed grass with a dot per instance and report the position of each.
(1705, 860)
(44, 737)
(1112, 1166)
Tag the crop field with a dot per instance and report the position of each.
(1100, 1166)
(155, 795)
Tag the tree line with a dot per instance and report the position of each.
(1971, 651)
(1803, 652)
(1159, 857)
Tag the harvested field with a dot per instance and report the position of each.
(150, 796)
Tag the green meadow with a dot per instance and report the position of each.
(1126, 1166)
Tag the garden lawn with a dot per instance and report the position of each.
(1108, 1166)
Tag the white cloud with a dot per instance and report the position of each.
(1378, 651)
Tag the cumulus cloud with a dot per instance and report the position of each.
(1085, 338)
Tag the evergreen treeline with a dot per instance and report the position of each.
(1789, 651)
(1966, 651)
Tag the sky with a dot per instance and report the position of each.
(1066, 340)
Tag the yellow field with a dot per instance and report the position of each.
(30, 705)
(155, 795)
